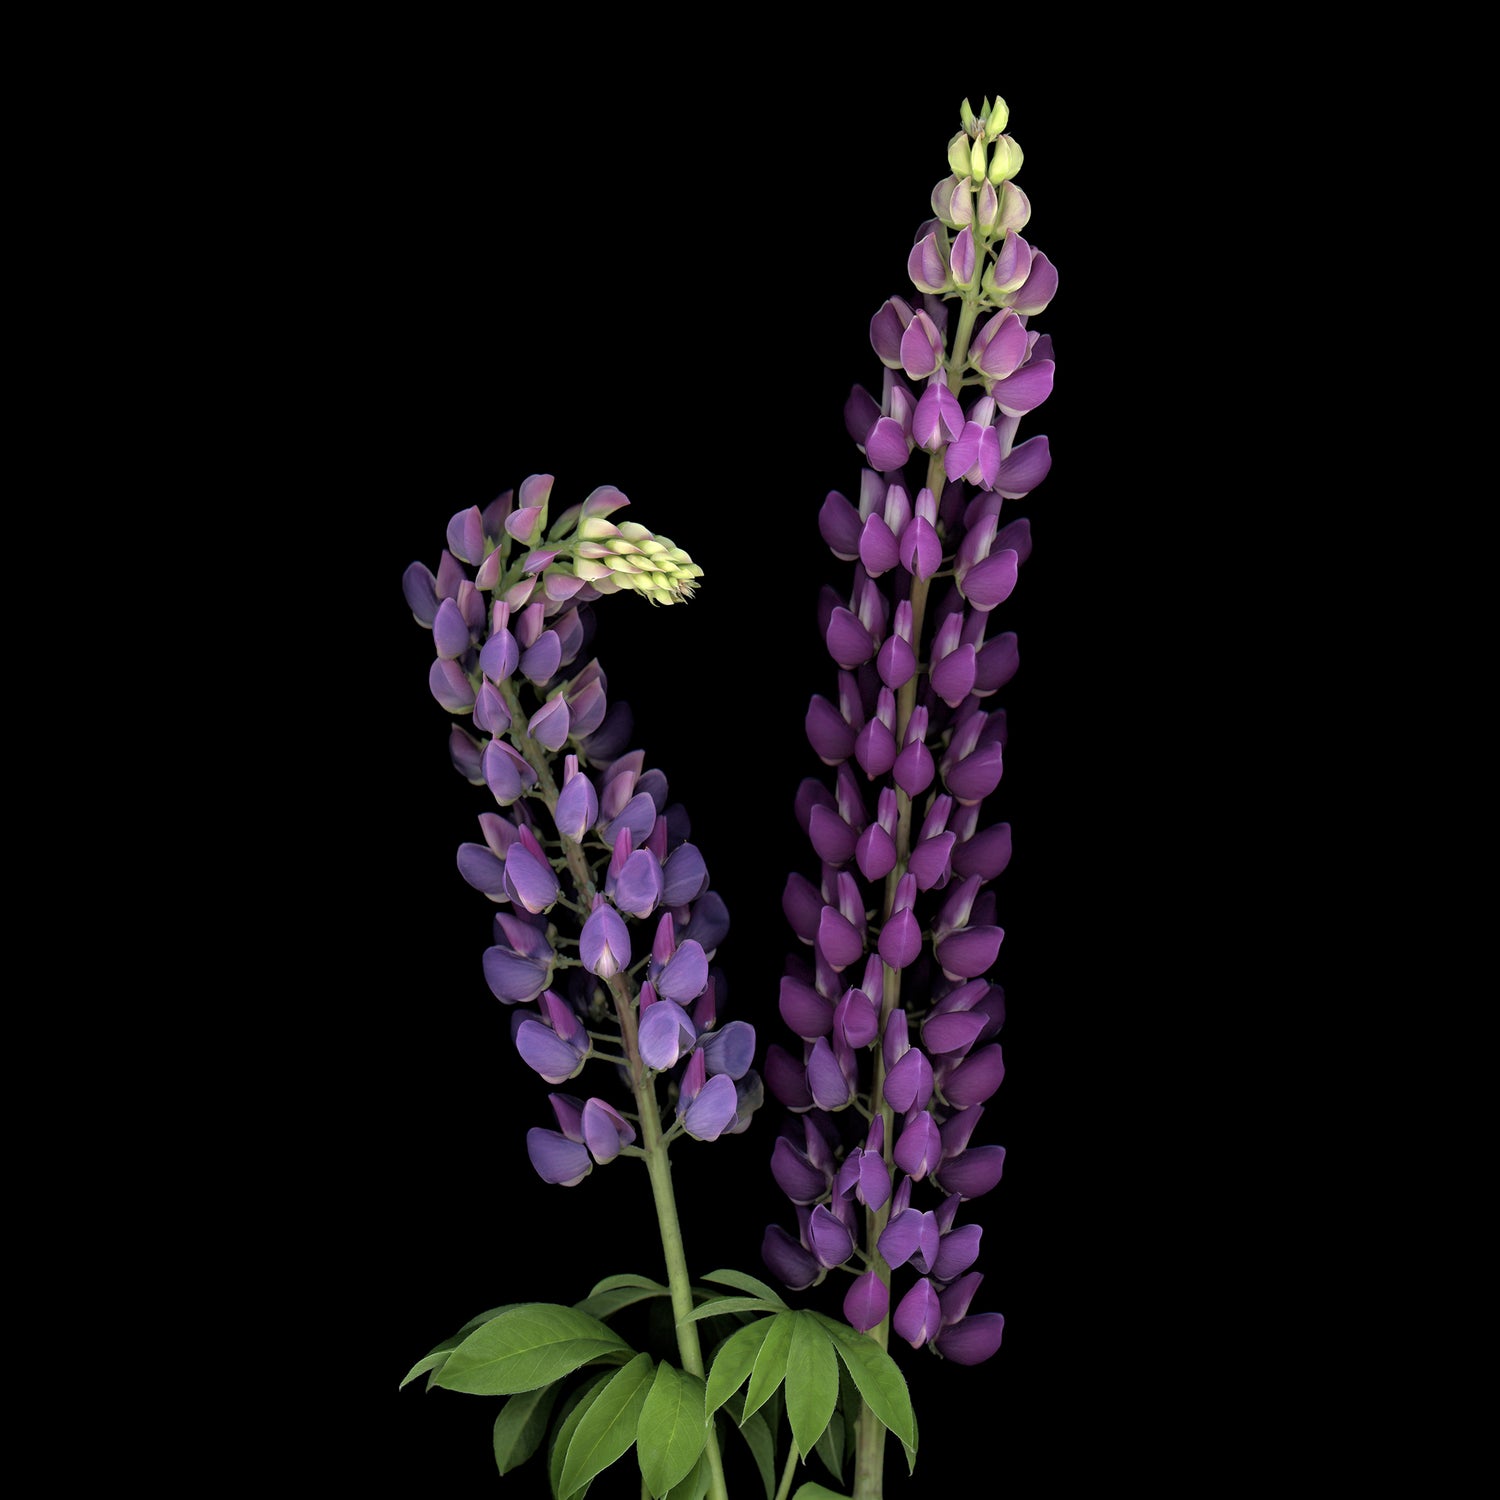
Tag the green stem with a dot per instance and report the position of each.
(643, 1086)
(788, 1473)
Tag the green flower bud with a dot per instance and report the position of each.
(996, 117)
(1006, 160)
(976, 160)
(958, 154)
(966, 114)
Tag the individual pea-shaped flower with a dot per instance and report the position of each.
(705, 1105)
(605, 1130)
(967, 1339)
(556, 1047)
(518, 967)
(529, 878)
(561, 1156)
(666, 1031)
(919, 1315)
(604, 943)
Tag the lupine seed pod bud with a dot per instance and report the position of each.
(996, 117)
(1005, 160)
(977, 163)
(971, 124)
(959, 158)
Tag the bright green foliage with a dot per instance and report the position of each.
(770, 1363)
(522, 1424)
(608, 1428)
(734, 1361)
(529, 1346)
(673, 1428)
(812, 1381)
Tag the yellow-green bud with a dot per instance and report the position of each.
(976, 160)
(966, 114)
(959, 159)
(596, 528)
(1006, 160)
(996, 117)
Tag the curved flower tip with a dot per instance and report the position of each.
(556, 1158)
(604, 943)
(973, 1340)
(788, 1261)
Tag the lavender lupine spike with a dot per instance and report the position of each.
(917, 746)
(582, 826)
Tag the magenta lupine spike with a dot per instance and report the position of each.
(919, 649)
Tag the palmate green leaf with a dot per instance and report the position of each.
(695, 1486)
(627, 1279)
(830, 1447)
(522, 1424)
(811, 1491)
(879, 1379)
(434, 1361)
(608, 1302)
(529, 1346)
(746, 1283)
(812, 1381)
(673, 1428)
(575, 1409)
(437, 1356)
(733, 1305)
(762, 1446)
(734, 1361)
(608, 1428)
(770, 1364)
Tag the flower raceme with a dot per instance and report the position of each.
(580, 827)
(895, 1019)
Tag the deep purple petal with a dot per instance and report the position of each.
(831, 836)
(787, 1260)
(605, 1130)
(787, 1078)
(549, 725)
(953, 676)
(972, 1173)
(1023, 468)
(1026, 389)
(900, 1238)
(919, 1148)
(856, 1019)
(866, 1302)
(976, 1078)
(970, 951)
(796, 1176)
(804, 1009)
(825, 1078)
(919, 1315)
(875, 853)
(973, 1340)
(976, 775)
(986, 854)
(840, 525)
(832, 1243)
(828, 734)
(901, 939)
(886, 446)
(909, 1084)
(955, 1031)
(838, 940)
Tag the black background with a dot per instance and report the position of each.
(664, 282)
